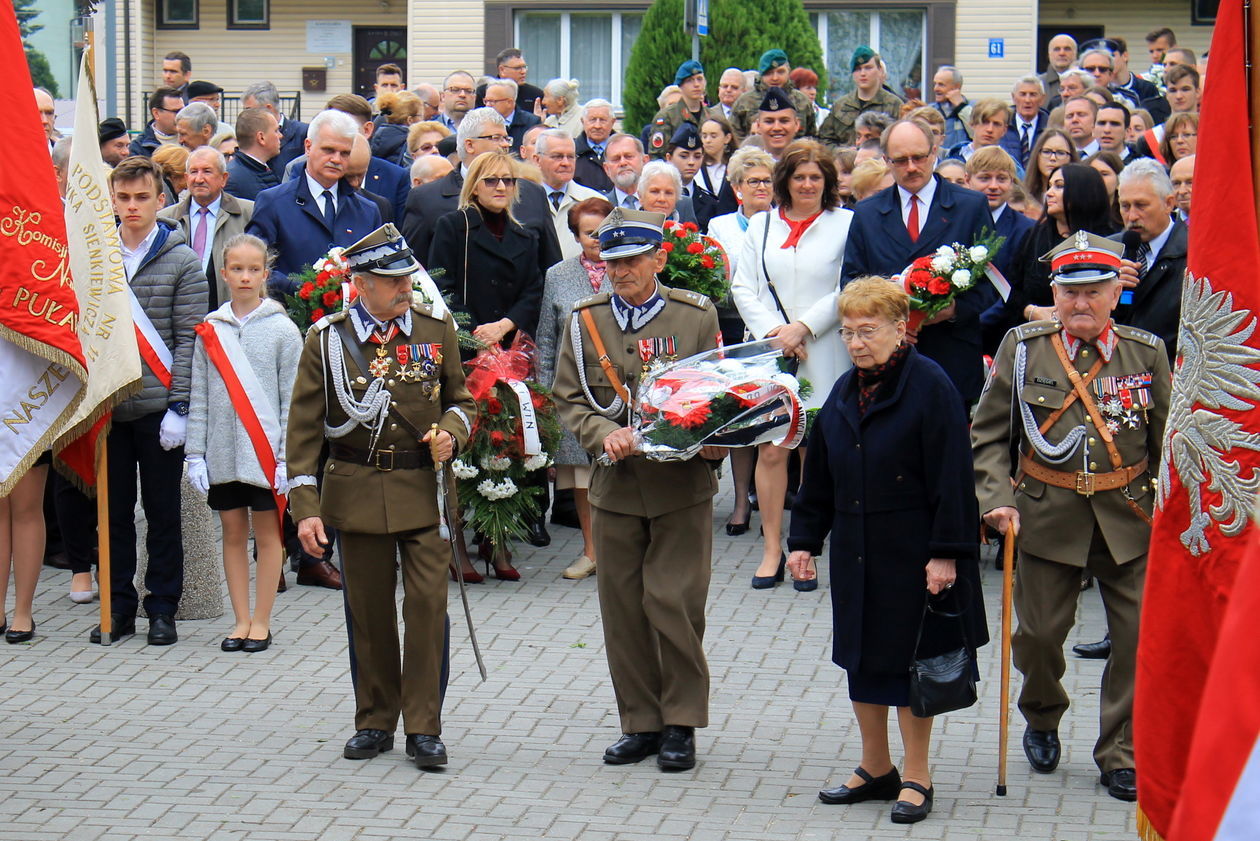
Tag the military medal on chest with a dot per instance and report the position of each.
(421, 363)
(1122, 397)
(653, 348)
(379, 367)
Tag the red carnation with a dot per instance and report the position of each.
(937, 286)
(695, 248)
(306, 291)
(494, 405)
(667, 247)
(922, 262)
(678, 231)
(669, 223)
(691, 227)
(317, 314)
(323, 277)
(331, 299)
(497, 438)
(707, 261)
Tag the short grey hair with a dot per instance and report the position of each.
(877, 120)
(623, 138)
(954, 73)
(655, 169)
(339, 122)
(474, 124)
(665, 93)
(1152, 171)
(552, 135)
(1029, 80)
(1111, 59)
(219, 160)
(198, 115)
(423, 165)
(592, 104)
(263, 93)
(743, 80)
(510, 84)
(61, 153)
(565, 89)
(744, 161)
(1082, 76)
(424, 90)
(446, 83)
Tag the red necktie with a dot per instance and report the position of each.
(912, 223)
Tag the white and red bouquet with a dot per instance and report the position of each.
(934, 281)
(738, 396)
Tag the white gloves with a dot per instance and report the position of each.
(174, 430)
(198, 475)
(282, 478)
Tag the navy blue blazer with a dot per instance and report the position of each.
(522, 121)
(879, 244)
(1010, 140)
(292, 145)
(383, 178)
(996, 320)
(288, 219)
(247, 177)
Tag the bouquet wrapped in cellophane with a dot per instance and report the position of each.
(737, 396)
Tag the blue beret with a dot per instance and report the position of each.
(687, 69)
(771, 59)
(861, 55)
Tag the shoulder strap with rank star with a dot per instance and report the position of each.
(604, 361)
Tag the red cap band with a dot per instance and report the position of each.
(1069, 259)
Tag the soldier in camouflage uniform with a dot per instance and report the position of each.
(774, 70)
(869, 94)
(689, 109)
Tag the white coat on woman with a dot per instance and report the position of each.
(807, 279)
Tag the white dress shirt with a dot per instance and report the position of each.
(317, 190)
(133, 259)
(925, 195)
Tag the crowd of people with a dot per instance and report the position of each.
(538, 213)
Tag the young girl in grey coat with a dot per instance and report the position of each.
(247, 349)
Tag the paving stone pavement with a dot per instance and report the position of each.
(185, 742)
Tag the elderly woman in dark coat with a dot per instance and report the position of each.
(888, 475)
(567, 283)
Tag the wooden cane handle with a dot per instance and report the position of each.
(433, 445)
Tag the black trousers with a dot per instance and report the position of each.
(76, 517)
(133, 447)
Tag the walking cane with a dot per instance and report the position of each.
(1004, 717)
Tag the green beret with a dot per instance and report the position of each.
(861, 55)
(771, 59)
(687, 69)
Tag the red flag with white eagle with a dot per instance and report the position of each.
(40, 353)
(1208, 479)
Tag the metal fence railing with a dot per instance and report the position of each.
(230, 107)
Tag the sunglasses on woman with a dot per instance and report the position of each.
(506, 180)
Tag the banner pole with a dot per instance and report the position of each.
(1004, 714)
(103, 578)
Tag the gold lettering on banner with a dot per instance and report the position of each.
(106, 273)
(23, 225)
(45, 385)
(41, 306)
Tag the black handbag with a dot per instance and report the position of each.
(943, 683)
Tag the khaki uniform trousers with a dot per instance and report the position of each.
(1046, 595)
(653, 585)
(383, 686)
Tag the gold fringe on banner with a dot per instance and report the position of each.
(1145, 829)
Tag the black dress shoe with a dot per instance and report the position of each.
(1042, 749)
(883, 787)
(1100, 650)
(426, 751)
(13, 637)
(1121, 783)
(633, 747)
(232, 644)
(678, 748)
(366, 744)
(162, 630)
(903, 811)
(735, 529)
(538, 533)
(251, 646)
(120, 626)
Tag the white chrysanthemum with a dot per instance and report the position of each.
(506, 488)
(463, 470)
(979, 253)
(961, 278)
(497, 463)
(945, 251)
(488, 489)
(537, 462)
(942, 265)
(787, 381)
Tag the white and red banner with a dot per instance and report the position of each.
(1197, 703)
(40, 354)
(100, 283)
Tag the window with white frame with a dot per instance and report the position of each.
(898, 35)
(591, 47)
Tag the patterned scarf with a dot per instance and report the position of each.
(596, 271)
(870, 379)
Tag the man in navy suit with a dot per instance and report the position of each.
(302, 218)
(257, 143)
(501, 96)
(991, 171)
(481, 130)
(292, 132)
(1029, 120)
(911, 219)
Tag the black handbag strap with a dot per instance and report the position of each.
(927, 608)
(770, 283)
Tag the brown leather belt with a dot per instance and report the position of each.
(383, 460)
(1083, 482)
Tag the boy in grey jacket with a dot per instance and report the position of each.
(148, 429)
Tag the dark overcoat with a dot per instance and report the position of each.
(1156, 306)
(894, 490)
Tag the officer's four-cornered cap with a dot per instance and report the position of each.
(627, 233)
(383, 252)
(776, 99)
(1084, 258)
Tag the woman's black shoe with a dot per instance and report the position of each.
(903, 811)
(232, 644)
(12, 637)
(884, 787)
(735, 529)
(765, 582)
(251, 646)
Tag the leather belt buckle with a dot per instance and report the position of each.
(1084, 483)
(383, 465)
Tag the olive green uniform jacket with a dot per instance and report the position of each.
(840, 127)
(744, 111)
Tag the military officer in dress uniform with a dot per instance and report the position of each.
(652, 521)
(372, 381)
(1084, 400)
